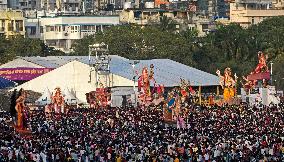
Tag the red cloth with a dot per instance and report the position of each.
(183, 92)
(139, 83)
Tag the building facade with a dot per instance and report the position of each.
(61, 31)
(3, 4)
(11, 23)
(249, 12)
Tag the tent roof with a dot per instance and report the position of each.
(166, 71)
(20, 63)
(73, 75)
(45, 98)
(4, 83)
(69, 97)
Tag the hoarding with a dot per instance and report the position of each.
(23, 73)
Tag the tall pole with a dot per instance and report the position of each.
(133, 68)
(218, 91)
(90, 51)
(199, 95)
(96, 69)
(271, 79)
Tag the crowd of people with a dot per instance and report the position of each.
(228, 133)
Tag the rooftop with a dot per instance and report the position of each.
(166, 71)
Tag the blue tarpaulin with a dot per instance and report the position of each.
(4, 83)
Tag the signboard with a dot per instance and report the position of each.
(23, 73)
(254, 91)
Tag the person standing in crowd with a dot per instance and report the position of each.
(20, 107)
(13, 111)
(227, 133)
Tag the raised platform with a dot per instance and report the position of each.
(259, 76)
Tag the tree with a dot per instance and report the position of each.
(19, 46)
(167, 24)
(278, 73)
(145, 43)
(81, 47)
(50, 51)
(3, 48)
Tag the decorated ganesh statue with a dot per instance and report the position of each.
(100, 98)
(227, 83)
(57, 101)
(145, 94)
(261, 66)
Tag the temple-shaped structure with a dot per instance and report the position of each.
(258, 88)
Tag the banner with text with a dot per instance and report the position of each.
(23, 73)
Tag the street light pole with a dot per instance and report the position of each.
(90, 52)
(133, 70)
(271, 79)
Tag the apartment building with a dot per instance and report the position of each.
(3, 4)
(11, 23)
(213, 8)
(46, 5)
(61, 31)
(249, 12)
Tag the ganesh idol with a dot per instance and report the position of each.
(57, 101)
(144, 84)
(261, 66)
(227, 83)
(21, 110)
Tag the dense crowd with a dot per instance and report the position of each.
(229, 133)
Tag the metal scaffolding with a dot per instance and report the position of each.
(100, 63)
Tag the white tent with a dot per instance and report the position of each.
(20, 63)
(45, 98)
(75, 76)
(69, 98)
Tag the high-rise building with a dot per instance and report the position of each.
(249, 12)
(213, 8)
(3, 5)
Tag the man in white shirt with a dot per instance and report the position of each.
(109, 156)
(43, 156)
(206, 156)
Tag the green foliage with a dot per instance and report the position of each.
(145, 43)
(278, 73)
(80, 47)
(20, 46)
(167, 24)
(3, 49)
